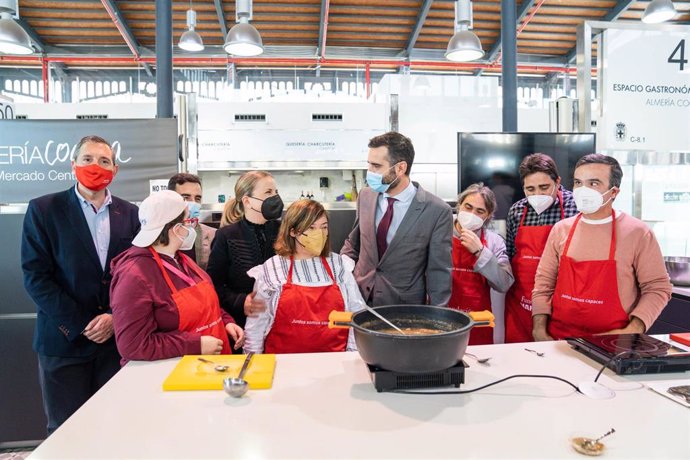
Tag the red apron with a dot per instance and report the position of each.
(586, 300)
(197, 304)
(301, 322)
(529, 245)
(470, 291)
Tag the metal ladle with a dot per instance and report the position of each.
(378, 315)
(217, 367)
(236, 387)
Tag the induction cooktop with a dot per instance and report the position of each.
(385, 380)
(633, 353)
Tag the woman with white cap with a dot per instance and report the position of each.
(164, 305)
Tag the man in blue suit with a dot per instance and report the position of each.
(68, 241)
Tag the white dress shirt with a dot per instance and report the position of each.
(402, 203)
(98, 221)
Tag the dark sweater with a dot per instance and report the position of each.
(235, 250)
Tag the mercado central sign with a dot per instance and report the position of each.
(36, 155)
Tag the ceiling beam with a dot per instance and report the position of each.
(421, 18)
(60, 70)
(620, 8)
(323, 29)
(121, 24)
(148, 69)
(221, 17)
(35, 38)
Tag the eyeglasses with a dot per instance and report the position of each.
(191, 222)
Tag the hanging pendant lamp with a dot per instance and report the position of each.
(13, 37)
(243, 39)
(191, 40)
(658, 11)
(464, 46)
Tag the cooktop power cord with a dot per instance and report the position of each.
(450, 392)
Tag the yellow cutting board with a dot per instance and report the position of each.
(192, 374)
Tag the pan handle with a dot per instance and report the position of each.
(482, 318)
(339, 319)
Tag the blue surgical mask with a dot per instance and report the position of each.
(194, 209)
(375, 181)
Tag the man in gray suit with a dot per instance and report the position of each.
(401, 240)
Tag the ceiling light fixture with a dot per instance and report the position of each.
(464, 46)
(658, 11)
(243, 39)
(13, 37)
(190, 39)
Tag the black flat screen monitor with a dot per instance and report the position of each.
(494, 158)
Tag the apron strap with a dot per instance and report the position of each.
(158, 260)
(288, 281)
(325, 264)
(612, 247)
(524, 213)
(328, 269)
(570, 235)
(189, 264)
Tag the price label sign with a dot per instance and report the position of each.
(156, 185)
(645, 90)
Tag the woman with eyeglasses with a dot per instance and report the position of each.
(164, 305)
(301, 285)
(480, 262)
(248, 230)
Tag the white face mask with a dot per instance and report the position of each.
(469, 221)
(588, 200)
(540, 203)
(187, 241)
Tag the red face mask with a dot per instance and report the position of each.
(93, 176)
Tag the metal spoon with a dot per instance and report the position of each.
(217, 367)
(538, 353)
(593, 442)
(236, 387)
(378, 315)
(479, 360)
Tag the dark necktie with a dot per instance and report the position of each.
(384, 226)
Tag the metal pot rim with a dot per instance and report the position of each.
(471, 323)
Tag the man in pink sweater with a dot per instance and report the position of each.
(602, 271)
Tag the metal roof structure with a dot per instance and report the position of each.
(329, 34)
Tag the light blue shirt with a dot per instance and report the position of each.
(98, 221)
(400, 207)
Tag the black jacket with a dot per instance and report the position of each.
(62, 272)
(234, 251)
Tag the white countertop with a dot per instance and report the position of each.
(325, 406)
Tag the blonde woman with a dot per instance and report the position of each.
(480, 260)
(300, 286)
(245, 242)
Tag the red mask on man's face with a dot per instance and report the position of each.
(93, 176)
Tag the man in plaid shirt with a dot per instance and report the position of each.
(529, 223)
